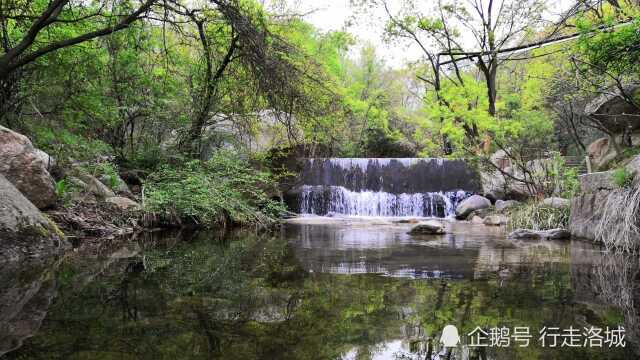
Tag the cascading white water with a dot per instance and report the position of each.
(337, 199)
(417, 187)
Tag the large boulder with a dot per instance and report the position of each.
(496, 182)
(48, 160)
(613, 111)
(596, 181)
(430, 227)
(586, 213)
(24, 231)
(587, 207)
(467, 206)
(601, 153)
(25, 168)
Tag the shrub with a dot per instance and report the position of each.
(212, 192)
(535, 216)
(65, 145)
(622, 177)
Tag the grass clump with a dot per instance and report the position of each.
(619, 225)
(535, 216)
(224, 189)
(622, 177)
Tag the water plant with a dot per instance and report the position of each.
(535, 216)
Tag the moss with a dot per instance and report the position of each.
(48, 230)
(54, 227)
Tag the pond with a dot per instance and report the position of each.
(321, 288)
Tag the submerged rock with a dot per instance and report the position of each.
(556, 203)
(24, 230)
(467, 206)
(553, 234)
(23, 165)
(407, 221)
(430, 227)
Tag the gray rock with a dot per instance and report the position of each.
(24, 231)
(634, 167)
(613, 103)
(123, 203)
(495, 220)
(28, 288)
(586, 213)
(557, 234)
(553, 234)
(22, 165)
(77, 182)
(98, 189)
(92, 184)
(119, 187)
(556, 203)
(525, 234)
(601, 153)
(48, 160)
(467, 206)
(429, 227)
(596, 181)
(506, 204)
(477, 220)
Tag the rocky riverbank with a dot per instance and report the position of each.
(41, 212)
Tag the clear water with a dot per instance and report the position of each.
(356, 288)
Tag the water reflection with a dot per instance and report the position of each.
(346, 290)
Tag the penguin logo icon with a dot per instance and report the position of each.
(450, 337)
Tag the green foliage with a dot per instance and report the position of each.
(65, 145)
(622, 177)
(109, 170)
(535, 216)
(614, 51)
(212, 192)
(62, 187)
(562, 181)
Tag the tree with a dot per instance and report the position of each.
(30, 30)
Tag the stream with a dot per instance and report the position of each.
(321, 288)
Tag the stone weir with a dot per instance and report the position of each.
(384, 187)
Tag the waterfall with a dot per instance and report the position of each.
(415, 187)
(337, 199)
